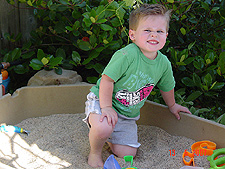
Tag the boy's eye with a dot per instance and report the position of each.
(160, 31)
(147, 30)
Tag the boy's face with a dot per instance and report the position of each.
(150, 35)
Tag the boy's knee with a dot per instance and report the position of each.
(102, 132)
(101, 129)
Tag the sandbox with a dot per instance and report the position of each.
(59, 138)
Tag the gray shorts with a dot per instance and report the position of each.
(125, 131)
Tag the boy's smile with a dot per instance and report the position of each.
(150, 35)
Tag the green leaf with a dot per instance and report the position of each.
(69, 28)
(18, 37)
(188, 82)
(64, 2)
(49, 3)
(93, 39)
(76, 14)
(44, 61)
(193, 96)
(222, 119)
(129, 2)
(113, 5)
(191, 45)
(76, 57)
(28, 55)
(87, 22)
(205, 5)
(189, 60)
(76, 25)
(197, 80)
(92, 19)
(203, 110)
(36, 64)
(62, 8)
(60, 27)
(221, 63)
(40, 54)
(55, 61)
(170, 1)
(60, 53)
(101, 21)
(20, 69)
(120, 13)
(26, 46)
(99, 67)
(208, 61)
(208, 80)
(100, 10)
(182, 58)
(183, 31)
(210, 56)
(92, 80)
(223, 44)
(115, 22)
(92, 55)
(180, 63)
(197, 65)
(16, 53)
(189, 6)
(218, 85)
(29, 3)
(106, 27)
(83, 45)
(53, 7)
(58, 70)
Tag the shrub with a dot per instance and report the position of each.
(82, 35)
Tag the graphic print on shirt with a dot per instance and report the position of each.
(132, 98)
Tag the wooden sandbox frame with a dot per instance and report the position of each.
(28, 102)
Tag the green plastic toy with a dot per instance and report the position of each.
(129, 162)
(217, 163)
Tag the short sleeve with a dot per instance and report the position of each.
(117, 66)
(167, 81)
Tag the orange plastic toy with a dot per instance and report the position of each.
(199, 148)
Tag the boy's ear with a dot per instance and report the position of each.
(132, 34)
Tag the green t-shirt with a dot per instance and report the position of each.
(134, 77)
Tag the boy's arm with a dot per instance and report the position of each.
(169, 99)
(105, 99)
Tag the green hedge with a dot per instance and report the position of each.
(82, 35)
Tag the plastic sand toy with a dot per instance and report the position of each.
(9, 128)
(111, 163)
(191, 167)
(199, 148)
(215, 162)
(129, 162)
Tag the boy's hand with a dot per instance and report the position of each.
(110, 114)
(176, 108)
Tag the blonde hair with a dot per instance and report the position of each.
(146, 10)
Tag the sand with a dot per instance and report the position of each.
(61, 141)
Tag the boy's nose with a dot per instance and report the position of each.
(153, 34)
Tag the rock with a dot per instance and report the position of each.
(45, 78)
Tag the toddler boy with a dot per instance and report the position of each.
(113, 105)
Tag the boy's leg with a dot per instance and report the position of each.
(122, 150)
(124, 139)
(98, 134)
